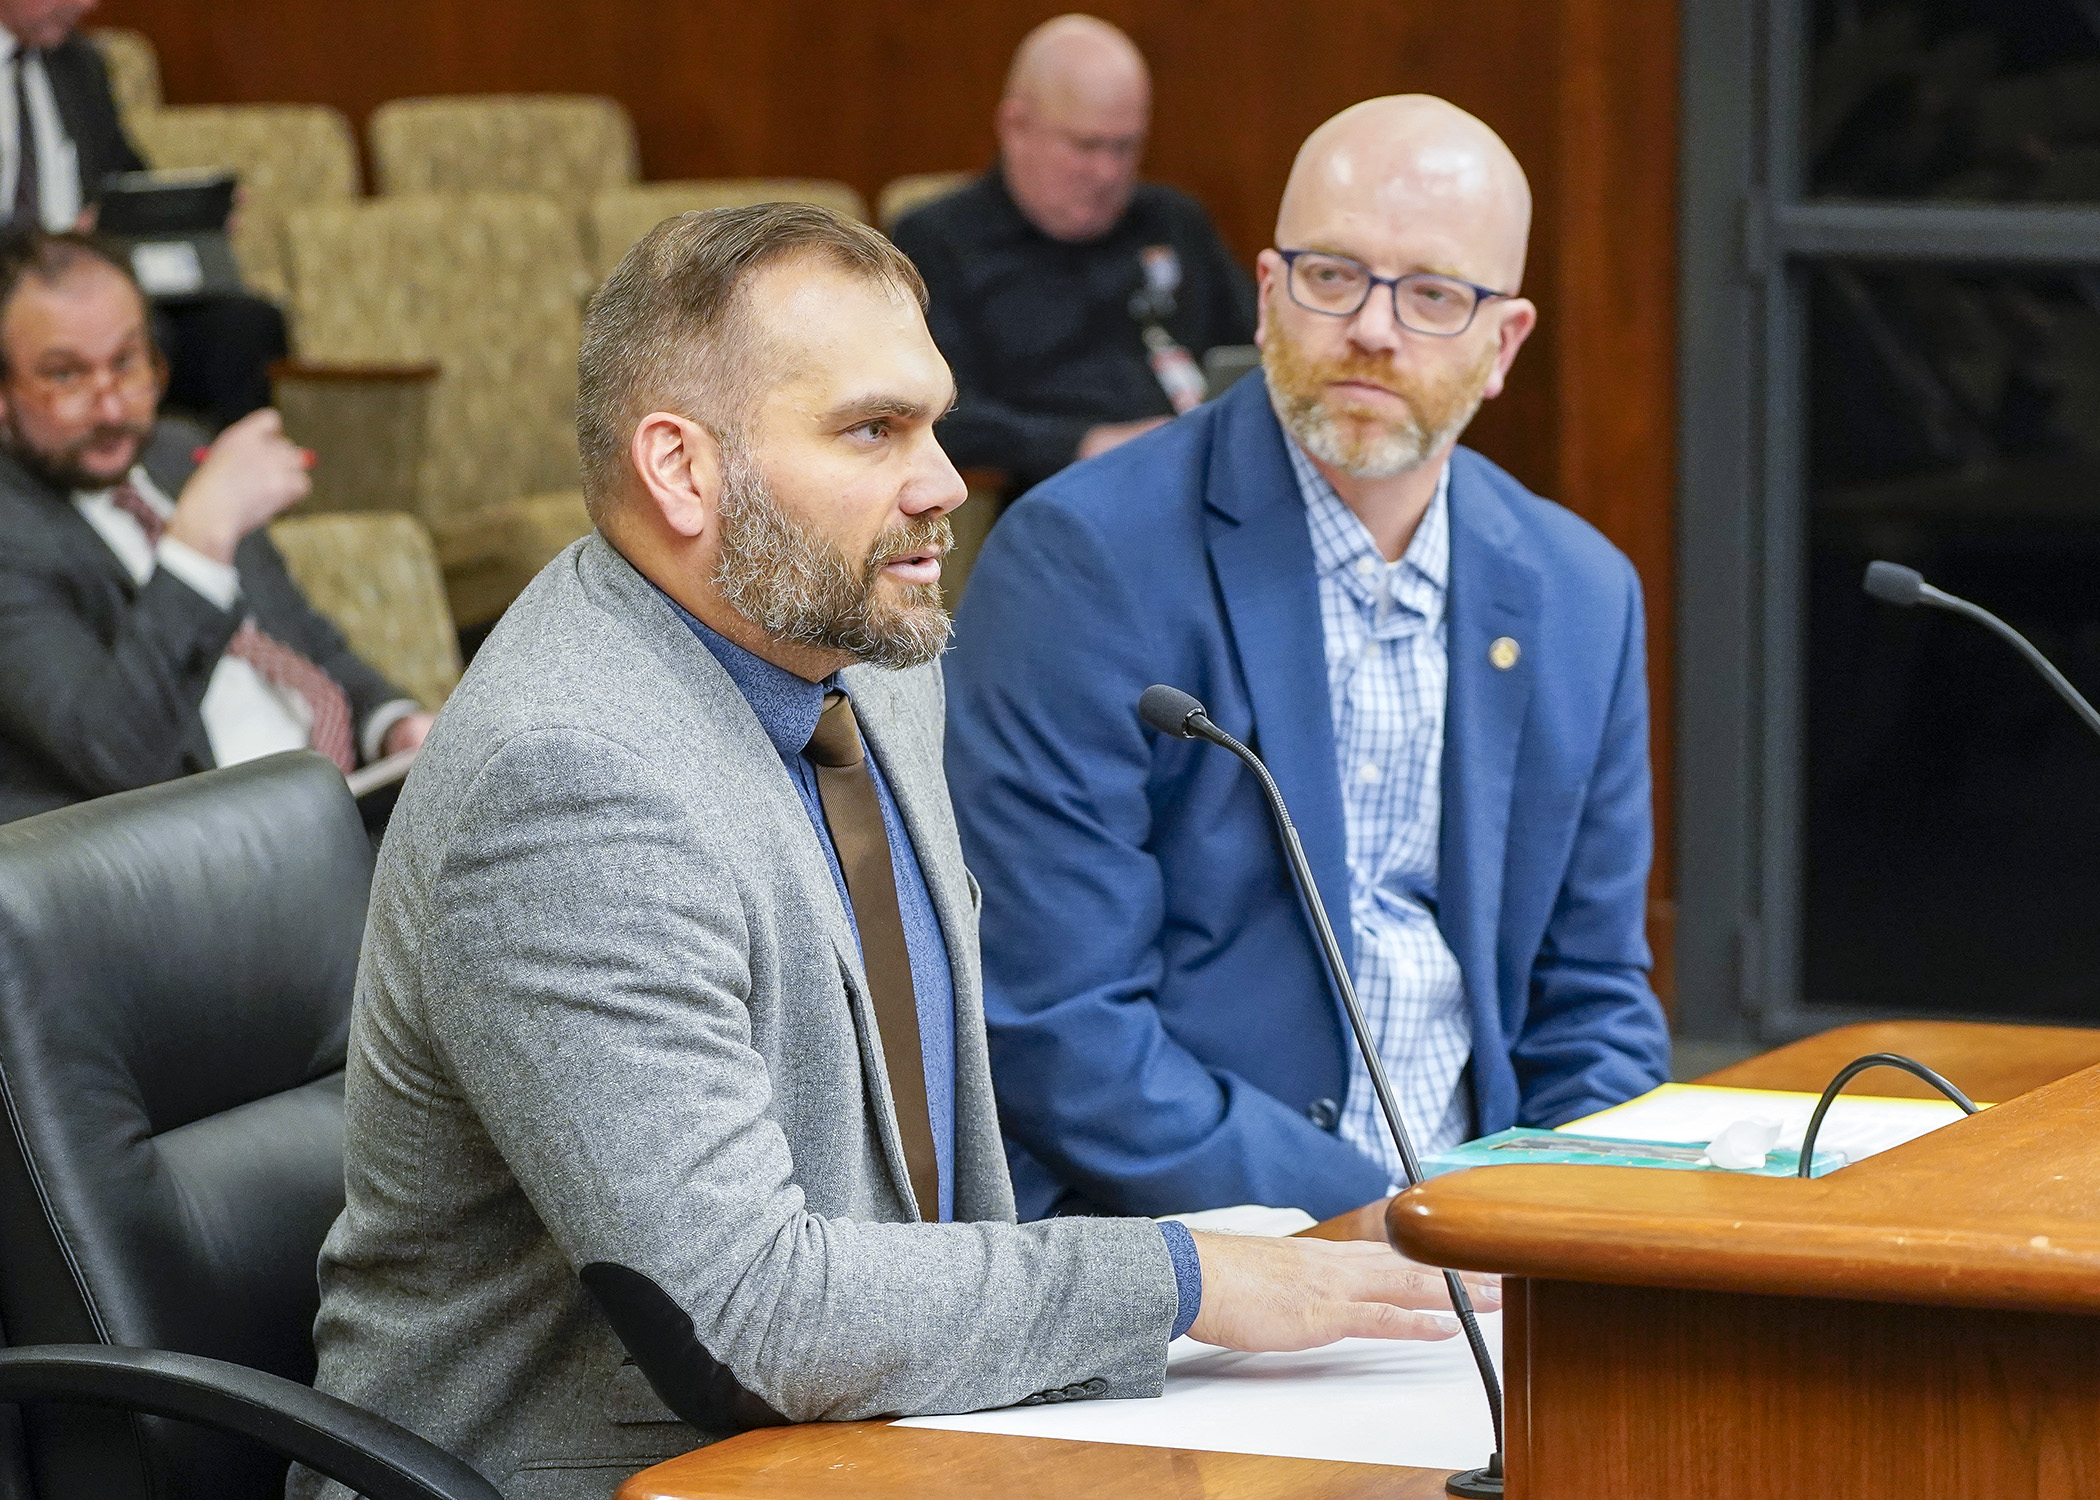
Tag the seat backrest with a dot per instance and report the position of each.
(622, 216)
(489, 287)
(134, 71)
(287, 155)
(375, 574)
(176, 967)
(488, 565)
(567, 146)
(903, 194)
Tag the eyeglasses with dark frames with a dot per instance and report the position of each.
(1442, 307)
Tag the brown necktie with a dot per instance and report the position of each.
(853, 813)
(278, 664)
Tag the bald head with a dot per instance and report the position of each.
(1413, 161)
(1078, 62)
(1072, 126)
(1396, 314)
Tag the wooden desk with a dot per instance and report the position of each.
(1920, 1325)
(1989, 1063)
(874, 1461)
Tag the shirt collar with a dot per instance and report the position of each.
(1341, 541)
(140, 481)
(787, 706)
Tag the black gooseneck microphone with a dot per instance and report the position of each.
(1892, 583)
(1171, 711)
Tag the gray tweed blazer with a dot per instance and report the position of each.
(623, 1173)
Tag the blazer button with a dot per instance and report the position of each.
(1323, 1113)
(1094, 1386)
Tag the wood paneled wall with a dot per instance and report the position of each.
(866, 90)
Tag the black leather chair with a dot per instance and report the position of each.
(176, 967)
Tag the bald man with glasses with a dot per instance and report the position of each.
(1445, 672)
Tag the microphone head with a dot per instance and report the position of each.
(1169, 709)
(1892, 583)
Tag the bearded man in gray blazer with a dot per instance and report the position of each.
(669, 1110)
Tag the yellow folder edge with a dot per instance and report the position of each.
(1576, 1126)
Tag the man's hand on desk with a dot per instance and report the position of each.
(1261, 1293)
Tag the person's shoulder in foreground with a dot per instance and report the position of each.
(1162, 1033)
(629, 1167)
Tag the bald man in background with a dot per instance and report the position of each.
(1445, 673)
(1073, 302)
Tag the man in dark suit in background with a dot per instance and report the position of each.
(1071, 300)
(219, 347)
(148, 629)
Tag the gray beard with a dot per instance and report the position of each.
(797, 587)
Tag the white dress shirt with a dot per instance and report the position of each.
(245, 715)
(58, 164)
(1387, 673)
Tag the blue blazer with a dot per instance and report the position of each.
(1163, 1034)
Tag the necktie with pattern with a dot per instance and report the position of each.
(853, 813)
(327, 705)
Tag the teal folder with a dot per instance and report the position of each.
(1524, 1146)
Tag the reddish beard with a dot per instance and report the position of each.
(1354, 436)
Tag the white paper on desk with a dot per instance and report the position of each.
(1371, 1401)
(1858, 1124)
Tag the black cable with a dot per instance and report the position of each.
(1852, 1070)
(1171, 711)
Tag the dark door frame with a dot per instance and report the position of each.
(1746, 232)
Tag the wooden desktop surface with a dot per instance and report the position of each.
(2023, 1233)
(875, 1461)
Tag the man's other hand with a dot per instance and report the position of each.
(1261, 1293)
(1099, 440)
(249, 477)
(408, 733)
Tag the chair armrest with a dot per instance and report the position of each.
(368, 425)
(371, 1455)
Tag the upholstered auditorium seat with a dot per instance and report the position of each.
(565, 146)
(623, 215)
(481, 292)
(376, 576)
(134, 71)
(287, 155)
(903, 194)
(176, 967)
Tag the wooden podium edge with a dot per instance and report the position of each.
(1984, 1213)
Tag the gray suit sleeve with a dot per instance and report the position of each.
(585, 975)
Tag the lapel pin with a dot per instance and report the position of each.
(1503, 653)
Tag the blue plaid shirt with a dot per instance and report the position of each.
(1386, 677)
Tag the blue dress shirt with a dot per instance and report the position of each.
(787, 708)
